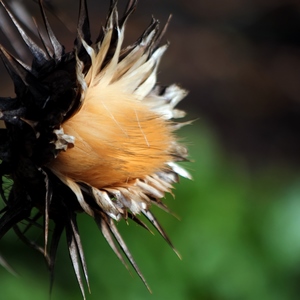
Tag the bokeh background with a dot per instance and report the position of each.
(239, 228)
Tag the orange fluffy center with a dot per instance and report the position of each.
(117, 139)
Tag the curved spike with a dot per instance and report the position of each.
(111, 19)
(57, 46)
(74, 255)
(83, 34)
(112, 24)
(145, 40)
(130, 8)
(58, 229)
(83, 26)
(73, 223)
(139, 222)
(161, 34)
(40, 57)
(104, 227)
(112, 4)
(49, 51)
(158, 227)
(48, 198)
(126, 251)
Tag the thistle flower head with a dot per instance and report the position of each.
(90, 131)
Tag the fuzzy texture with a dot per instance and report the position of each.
(117, 139)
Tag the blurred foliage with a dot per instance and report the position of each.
(238, 236)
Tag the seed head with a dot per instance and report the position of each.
(89, 131)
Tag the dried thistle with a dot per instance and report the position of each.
(88, 131)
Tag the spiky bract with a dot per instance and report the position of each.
(88, 131)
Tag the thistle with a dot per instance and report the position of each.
(88, 131)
